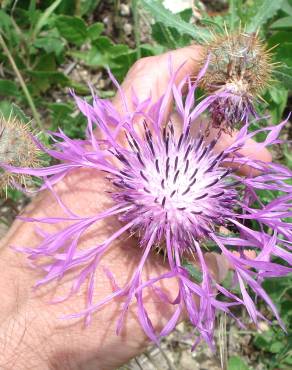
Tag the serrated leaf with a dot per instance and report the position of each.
(8, 88)
(13, 110)
(73, 29)
(266, 10)
(236, 363)
(166, 17)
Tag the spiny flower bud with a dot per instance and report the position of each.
(17, 149)
(239, 69)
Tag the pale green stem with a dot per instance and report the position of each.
(29, 99)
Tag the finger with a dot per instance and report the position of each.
(150, 76)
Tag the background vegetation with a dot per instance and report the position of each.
(48, 47)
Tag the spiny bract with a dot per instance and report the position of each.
(240, 66)
(17, 148)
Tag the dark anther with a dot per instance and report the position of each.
(167, 145)
(163, 201)
(151, 147)
(187, 131)
(194, 174)
(217, 195)
(187, 166)
(140, 160)
(187, 190)
(212, 183)
(119, 185)
(180, 141)
(199, 143)
(126, 184)
(187, 152)
(164, 133)
(227, 172)
(135, 143)
(211, 167)
(157, 166)
(167, 171)
(172, 194)
(192, 183)
(202, 196)
(175, 176)
(181, 208)
(167, 162)
(142, 175)
(203, 153)
(212, 144)
(175, 163)
(125, 174)
(130, 143)
(162, 184)
(196, 212)
(147, 191)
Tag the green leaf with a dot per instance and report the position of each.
(44, 18)
(265, 11)
(8, 88)
(285, 22)
(167, 18)
(73, 29)
(88, 6)
(234, 6)
(195, 273)
(50, 45)
(7, 28)
(287, 8)
(8, 110)
(42, 80)
(276, 347)
(236, 363)
(284, 75)
(95, 30)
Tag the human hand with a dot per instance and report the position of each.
(31, 334)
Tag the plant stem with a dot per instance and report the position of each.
(29, 99)
(136, 27)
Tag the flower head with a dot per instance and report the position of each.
(173, 191)
(240, 66)
(17, 148)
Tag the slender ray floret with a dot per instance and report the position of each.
(172, 190)
(241, 66)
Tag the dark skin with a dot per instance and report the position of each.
(32, 336)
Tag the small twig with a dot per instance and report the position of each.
(70, 68)
(22, 84)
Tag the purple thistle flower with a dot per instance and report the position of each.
(173, 192)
